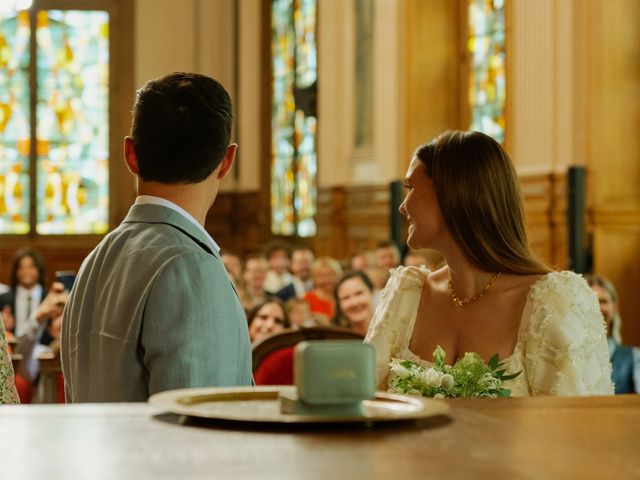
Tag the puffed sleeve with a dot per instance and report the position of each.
(566, 350)
(392, 323)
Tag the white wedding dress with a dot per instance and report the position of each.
(561, 347)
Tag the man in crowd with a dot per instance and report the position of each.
(152, 308)
(301, 283)
(387, 255)
(279, 258)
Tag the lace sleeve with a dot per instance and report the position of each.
(8, 392)
(392, 323)
(566, 348)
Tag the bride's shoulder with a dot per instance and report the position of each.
(559, 284)
(562, 291)
(402, 275)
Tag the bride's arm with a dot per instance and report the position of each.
(392, 323)
(566, 349)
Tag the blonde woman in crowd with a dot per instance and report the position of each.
(325, 272)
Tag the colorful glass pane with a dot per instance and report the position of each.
(72, 62)
(293, 167)
(487, 83)
(15, 120)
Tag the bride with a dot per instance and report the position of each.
(493, 295)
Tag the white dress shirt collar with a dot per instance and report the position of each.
(153, 200)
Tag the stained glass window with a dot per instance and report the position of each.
(15, 120)
(71, 125)
(293, 117)
(487, 83)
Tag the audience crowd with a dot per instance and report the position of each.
(308, 291)
(283, 288)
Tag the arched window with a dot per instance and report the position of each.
(293, 117)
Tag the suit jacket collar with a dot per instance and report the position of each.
(149, 213)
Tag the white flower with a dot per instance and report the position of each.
(447, 381)
(431, 377)
(439, 396)
(489, 381)
(398, 369)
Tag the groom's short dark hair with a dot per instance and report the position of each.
(181, 127)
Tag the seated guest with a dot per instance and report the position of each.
(8, 393)
(46, 320)
(49, 317)
(233, 266)
(152, 308)
(378, 279)
(267, 318)
(279, 259)
(299, 313)
(255, 272)
(301, 283)
(26, 292)
(625, 360)
(325, 273)
(360, 261)
(354, 302)
(387, 255)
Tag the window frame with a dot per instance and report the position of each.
(121, 82)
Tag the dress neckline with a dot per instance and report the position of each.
(525, 310)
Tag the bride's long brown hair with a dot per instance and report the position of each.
(479, 196)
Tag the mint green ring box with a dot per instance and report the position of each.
(334, 372)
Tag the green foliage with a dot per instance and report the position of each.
(468, 377)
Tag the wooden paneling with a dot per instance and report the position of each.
(356, 218)
(433, 78)
(544, 196)
(609, 35)
(536, 191)
(238, 222)
(351, 219)
(559, 236)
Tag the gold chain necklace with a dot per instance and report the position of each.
(461, 303)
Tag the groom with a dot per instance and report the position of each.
(152, 308)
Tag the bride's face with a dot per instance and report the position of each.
(421, 208)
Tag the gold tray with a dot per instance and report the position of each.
(261, 404)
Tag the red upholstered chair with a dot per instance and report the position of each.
(24, 389)
(60, 397)
(273, 356)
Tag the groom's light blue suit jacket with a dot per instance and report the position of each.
(152, 309)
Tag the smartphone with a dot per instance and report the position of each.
(66, 278)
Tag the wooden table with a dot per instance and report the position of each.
(531, 438)
(50, 367)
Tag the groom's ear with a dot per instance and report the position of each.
(130, 156)
(227, 161)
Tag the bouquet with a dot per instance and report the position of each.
(468, 377)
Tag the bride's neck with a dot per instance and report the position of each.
(467, 279)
